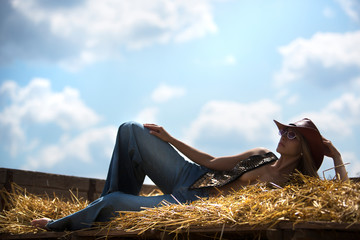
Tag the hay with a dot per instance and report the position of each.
(312, 200)
(24, 207)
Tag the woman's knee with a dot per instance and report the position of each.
(130, 126)
(132, 130)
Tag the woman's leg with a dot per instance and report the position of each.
(104, 208)
(138, 153)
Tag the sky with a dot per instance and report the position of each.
(213, 73)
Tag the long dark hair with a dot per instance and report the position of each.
(306, 164)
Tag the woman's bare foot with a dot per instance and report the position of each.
(40, 223)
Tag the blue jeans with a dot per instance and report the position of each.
(136, 154)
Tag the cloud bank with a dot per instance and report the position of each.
(76, 33)
(329, 56)
(252, 121)
(351, 8)
(72, 136)
(36, 103)
(164, 93)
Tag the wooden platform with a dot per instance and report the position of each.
(40, 183)
(90, 188)
(280, 231)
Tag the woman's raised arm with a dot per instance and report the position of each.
(202, 158)
(193, 154)
(332, 152)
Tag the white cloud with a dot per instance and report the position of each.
(36, 106)
(287, 97)
(36, 103)
(351, 8)
(347, 106)
(165, 92)
(80, 148)
(354, 167)
(339, 117)
(356, 84)
(90, 30)
(218, 118)
(147, 115)
(330, 51)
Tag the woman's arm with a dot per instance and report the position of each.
(331, 151)
(202, 158)
(193, 154)
(229, 162)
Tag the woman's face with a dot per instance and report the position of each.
(289, 144)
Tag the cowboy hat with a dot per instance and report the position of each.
(312, 136)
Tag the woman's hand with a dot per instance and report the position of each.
(159, 132)
(330, 150)
(193, 154)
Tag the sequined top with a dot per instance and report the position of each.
(215, 178)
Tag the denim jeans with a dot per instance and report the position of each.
(136, 154)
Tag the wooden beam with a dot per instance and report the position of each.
(281, 231)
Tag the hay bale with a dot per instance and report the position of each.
(313, 200)
(303, 199)
(22, 207)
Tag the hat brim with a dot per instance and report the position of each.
(313, 139)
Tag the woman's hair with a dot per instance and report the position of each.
(306, 164)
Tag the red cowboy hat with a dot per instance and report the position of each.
(312, 136)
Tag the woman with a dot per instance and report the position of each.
(142, 150)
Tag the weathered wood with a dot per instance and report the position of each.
(91, 188)
(51, 184)
(147, 189)
(44, 180)
(2, 176)
(280, 231)
(40, 183)
(320, 225)
(42, 235)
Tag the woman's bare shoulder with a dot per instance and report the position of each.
(259, 151)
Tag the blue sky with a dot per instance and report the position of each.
(213, 73)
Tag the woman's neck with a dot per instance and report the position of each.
(286, 164)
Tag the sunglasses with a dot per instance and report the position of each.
(290, 134)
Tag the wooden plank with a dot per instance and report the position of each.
(39, 183)
(54, 181)
(146, 189)
(2, 176)
(42, 235)
(157, 234)
(315, 234)
(60, 193)
(45, 183)
(284, 231)
(30, 178)
(99, 185)
(319, 225)
(5, 185)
